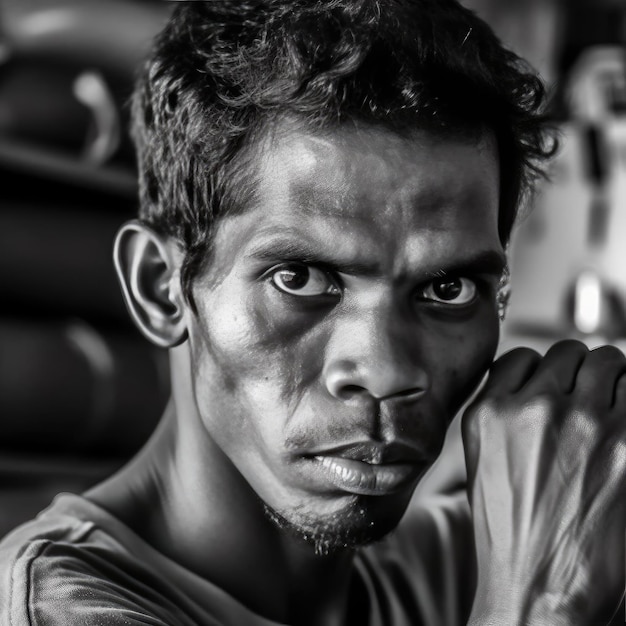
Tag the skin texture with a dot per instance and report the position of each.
(546, 454)
(347, 313)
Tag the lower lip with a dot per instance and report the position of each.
(363, 478)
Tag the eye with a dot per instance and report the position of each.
(303, 280)
(452, 290)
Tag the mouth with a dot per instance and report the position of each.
(369, 468)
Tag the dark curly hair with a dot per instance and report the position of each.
(222, 70)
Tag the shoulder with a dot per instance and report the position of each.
(59, 584)
(56, 571)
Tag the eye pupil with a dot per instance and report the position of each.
(448, 289)
(300, 280)
(295, 279)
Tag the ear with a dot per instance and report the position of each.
(148, 268)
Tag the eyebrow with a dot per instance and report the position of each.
(487, 262)
(490, 262)
(304, 252)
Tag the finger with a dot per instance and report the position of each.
(559, 367)
(598, 375)
(511, 371)
(619, 396)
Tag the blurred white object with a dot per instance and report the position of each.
(597, 84)
(569, 257)
(92, 90)
(587, 307)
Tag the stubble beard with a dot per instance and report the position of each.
(328, 534)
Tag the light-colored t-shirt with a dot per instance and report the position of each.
(78, 565)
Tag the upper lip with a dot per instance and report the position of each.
(375, 453)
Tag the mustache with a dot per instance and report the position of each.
(387, 431)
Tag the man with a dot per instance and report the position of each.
(327, 190)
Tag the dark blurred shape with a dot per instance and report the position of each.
(56, 260)
(29, 481)
(68, 72)
(80, 390)
(97, 392)
(37, 105)
(589, 23)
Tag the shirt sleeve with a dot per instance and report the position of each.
(58, 584)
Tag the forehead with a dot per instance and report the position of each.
(371, 193)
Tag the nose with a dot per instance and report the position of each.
(377, 356)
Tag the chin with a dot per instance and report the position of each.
(363, 521)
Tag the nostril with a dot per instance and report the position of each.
(349, 391)
(345, 380)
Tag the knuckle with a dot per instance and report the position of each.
(599, 374)
(568, 347)
(534, 411)
(540, 408)
(542, 401)
(608, 354)
(480, 414)
(616, 456)
(516, 360)
(474, 413)
(582, 426)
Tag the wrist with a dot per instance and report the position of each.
(496, 606)
(503, 608)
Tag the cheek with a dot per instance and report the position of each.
(472, 365)
(254, 350)
(470, 353)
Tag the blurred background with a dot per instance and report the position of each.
(80, 390)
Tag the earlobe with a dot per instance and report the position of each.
(148, 268)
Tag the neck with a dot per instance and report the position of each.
(185, 498)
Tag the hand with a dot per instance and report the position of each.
(545, 447)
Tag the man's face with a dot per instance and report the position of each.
(344, 319)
